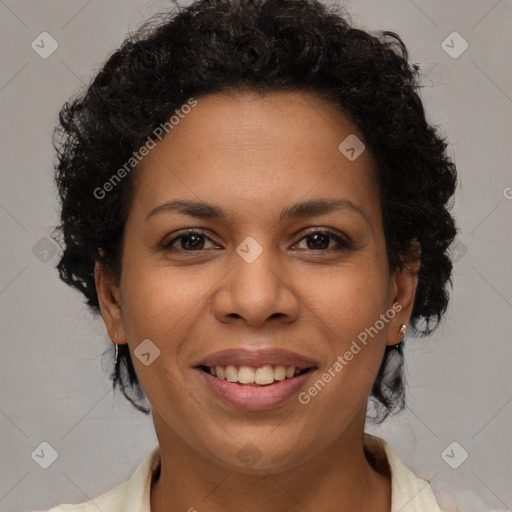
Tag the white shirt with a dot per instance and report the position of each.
(408, 493)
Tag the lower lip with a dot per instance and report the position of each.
(255, 398)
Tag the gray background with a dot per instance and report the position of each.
(52, 384)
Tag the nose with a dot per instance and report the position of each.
(255, 291)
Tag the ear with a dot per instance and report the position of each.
(109, 299)
(403, 286)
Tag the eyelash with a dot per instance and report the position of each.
(344, 243)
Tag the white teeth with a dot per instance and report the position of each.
(220, 372)
(280, 372)
(247, 375)
(231, 373)
(264, 375)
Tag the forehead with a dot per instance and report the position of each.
(265, 149)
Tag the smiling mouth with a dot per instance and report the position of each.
(254, 376)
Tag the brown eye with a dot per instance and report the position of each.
(190, 241)
(319, 240)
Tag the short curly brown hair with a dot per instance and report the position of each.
(261, 46)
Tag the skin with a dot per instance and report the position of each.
(252, 155)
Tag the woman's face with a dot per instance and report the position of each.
(264, 276)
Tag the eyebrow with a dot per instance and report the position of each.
(203, 210)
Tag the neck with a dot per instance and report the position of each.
(339, 478)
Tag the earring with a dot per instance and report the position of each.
(116, 352)
(399, 346)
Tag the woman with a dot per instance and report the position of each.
(254, 201)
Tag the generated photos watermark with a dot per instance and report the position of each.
(341, 361)
(137, 156)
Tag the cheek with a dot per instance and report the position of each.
(166, 306)
(160, 306)
(352, 305)
(160, 299)
(350, 299)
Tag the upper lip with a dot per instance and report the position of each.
(257, 358)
